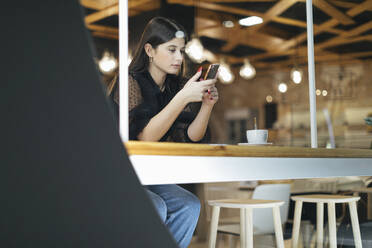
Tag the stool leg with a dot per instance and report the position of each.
(243, 230)
(355, 224)
(332, 225)
(319, 224)
(232, 241)
(278, 228)
(214, 225)
(249, 228)
(296, 224)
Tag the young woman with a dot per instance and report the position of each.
(161, 109)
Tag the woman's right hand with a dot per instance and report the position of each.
(194, 90)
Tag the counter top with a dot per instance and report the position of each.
(218, 150)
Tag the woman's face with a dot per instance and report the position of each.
(168, 57)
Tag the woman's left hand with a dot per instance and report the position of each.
(211, 96)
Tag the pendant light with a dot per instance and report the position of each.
(108, 63)
(247, 71)
(282, 87)
(296, 75)
(195, 50)
(225, 74)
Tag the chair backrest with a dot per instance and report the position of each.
(263, 218)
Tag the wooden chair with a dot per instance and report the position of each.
(331, 200)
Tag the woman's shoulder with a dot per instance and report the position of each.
(133, 83)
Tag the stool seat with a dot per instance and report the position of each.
(330, 200)
(325, 198)
(245, 203)
(245, 229)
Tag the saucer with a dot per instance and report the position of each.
(255, 144)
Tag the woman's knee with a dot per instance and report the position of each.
(159, 204)
(192, 203)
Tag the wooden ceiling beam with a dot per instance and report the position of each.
(275, 11)
(98, 4)
(237, 1)
(146, 5)
(342, 41)
(366, 5)
(113, 10)
(342, 4)
(327, 25)
(289, 21)
(256, 40)
(105, 35)
(278, 9)
(215, 20)
(103, 29)
(239, 11)
(99, 15)
(358, 30)
(333, 12)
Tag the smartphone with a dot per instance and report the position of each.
(212, 71)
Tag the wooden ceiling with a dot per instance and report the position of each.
(342, 28)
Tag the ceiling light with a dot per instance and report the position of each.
(324, 93)
(282, 87)
(224, 74)
(250, 21)
(247, 71)
(318, 92)
(296, 75)
(108, 63)
(269, 99)
(228, 24)
(194, 50)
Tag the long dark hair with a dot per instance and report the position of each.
(158, 31)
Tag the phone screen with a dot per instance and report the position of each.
(212, 71)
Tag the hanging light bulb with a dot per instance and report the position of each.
(108, 63)
(282, 87)
(296, 75)
(225, 75)
(247, 71)
(194, 49)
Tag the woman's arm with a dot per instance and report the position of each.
(161, 122)
(197, 128)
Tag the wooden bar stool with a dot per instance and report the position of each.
(331, 200)
(246, 223)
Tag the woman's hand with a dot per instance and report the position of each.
(211, 96)
(194, 91)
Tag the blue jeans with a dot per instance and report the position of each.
(178, 208)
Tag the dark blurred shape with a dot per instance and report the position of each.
(66, 180)
(271, 114)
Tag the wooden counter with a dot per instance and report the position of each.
(162, 163)
(187, 149)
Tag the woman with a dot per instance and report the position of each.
(160, 109)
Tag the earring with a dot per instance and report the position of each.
(151, 59)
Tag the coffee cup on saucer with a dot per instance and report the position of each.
(257, 136)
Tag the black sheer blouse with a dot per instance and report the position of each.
(146, 100)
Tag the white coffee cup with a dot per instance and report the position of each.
(257, 136)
